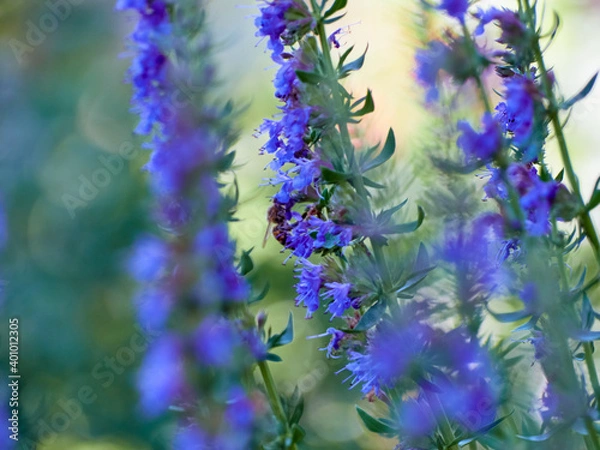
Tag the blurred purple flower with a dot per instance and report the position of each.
(430, 62)
(149, 259)
(161, 378)
(480, 146)
(216, 342)
(154, 307)
(513, 29)
(148, 71)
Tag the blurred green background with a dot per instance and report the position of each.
(64, 107)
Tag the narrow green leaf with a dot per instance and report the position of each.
(530, 324)
(406, 227)
(287, 335)
(560, 176)
(298, 433)
(538, 437)
(367, 108)
(283, 338)
(246, 264)
(509, 317)
(587, 313)
(331, 176)
(344, 57)
(333, 19)
(370, 183)
(386, 153)
(386, 215)
(226, 162)
(595, 199)
(337, 5)
(354, 65)
(581, 95)
(373, 424)
(273, 357)
(261, 295)
(422, 261)
(309, 77)
(371, 317)
(298, 409)
(414, 279)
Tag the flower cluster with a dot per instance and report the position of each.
(299, 156)
(389, 352)
(192, 294)
(530, 247)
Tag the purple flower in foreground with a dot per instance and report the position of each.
(191, 438)
(149, 260)
(154, 307)
(415, 418)
(455, 8)
(393, 351)
(161, 378)
(480, 146)
(240, 410)
(174, 162)
(216, 342)
(308, 286)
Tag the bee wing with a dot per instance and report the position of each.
(267, 232)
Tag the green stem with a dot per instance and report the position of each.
(592, 434)
(446, 429)
(591, 366)
(476, 75)
(274, 400)
(589, 357)
(269, 382)
(584, 218)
